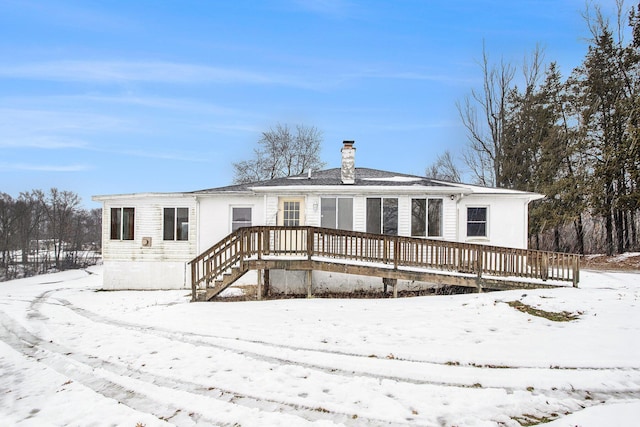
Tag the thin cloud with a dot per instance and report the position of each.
(331, 8)
(43, 142)
(18, 121)
(150, 72)
(7, 167)
(414, 75)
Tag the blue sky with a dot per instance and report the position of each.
(144, 96)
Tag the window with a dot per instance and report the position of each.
(176, 223)
(426, 217)
(434, 224)
(240, 217)
(476, 222)
(382, 216)
(291, 213)
(419, 217)
(122, 223)
(336, 213)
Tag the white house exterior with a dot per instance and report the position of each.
(149, 238)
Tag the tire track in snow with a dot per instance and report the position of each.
(272, 353)
(107, 320)
(51, 349)
(566, 399)
(92, 377)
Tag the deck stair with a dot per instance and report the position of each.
(391, 258)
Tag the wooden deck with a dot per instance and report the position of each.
(391, 258)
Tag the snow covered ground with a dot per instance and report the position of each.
(72, 356)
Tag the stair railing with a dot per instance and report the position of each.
(267, 242)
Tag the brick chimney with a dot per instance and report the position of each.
(348, 170)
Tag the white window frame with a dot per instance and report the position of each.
(120, 234)
(231, 222)
(175, 223)
(336, 212)
(426, 217)
(382, 215)
(486, 222)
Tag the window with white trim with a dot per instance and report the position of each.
(336, 212)
(176, 224)
(426, 217)
(382, 216)
(122, 223)
(240, 217)
(476, 222)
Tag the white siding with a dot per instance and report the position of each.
(450, 219)
(271, 210)
(162, 265)
(149, 223)
(404, 216)
(506, 222)
(216, 215)
(360, 213)
(313, 210)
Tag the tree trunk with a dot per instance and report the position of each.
(608, 230)
(579, 233)
(619, 224)
(634, 231)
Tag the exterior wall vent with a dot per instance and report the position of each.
(146, 242)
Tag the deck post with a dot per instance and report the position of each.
(309, 277)
(265, 289)
(309, 243)
(396, 252)
(193, 282)
(393, 282)
(479, 266)
(259, 287)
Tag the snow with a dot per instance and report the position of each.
(73, 355)
(395, 179)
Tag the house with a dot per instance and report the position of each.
(149, 238)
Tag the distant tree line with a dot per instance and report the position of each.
(41, 231)
(575, 139)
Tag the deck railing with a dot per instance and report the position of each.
(397, 252)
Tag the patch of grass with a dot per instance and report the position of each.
(562, 316)
(531, 420)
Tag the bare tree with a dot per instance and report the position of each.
(7, 216)
(29, 212)
(282, 152)
(60, 209)
(485, 114)
(444, 168)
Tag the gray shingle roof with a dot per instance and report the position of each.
(328, 177)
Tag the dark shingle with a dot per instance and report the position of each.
(327, 177)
